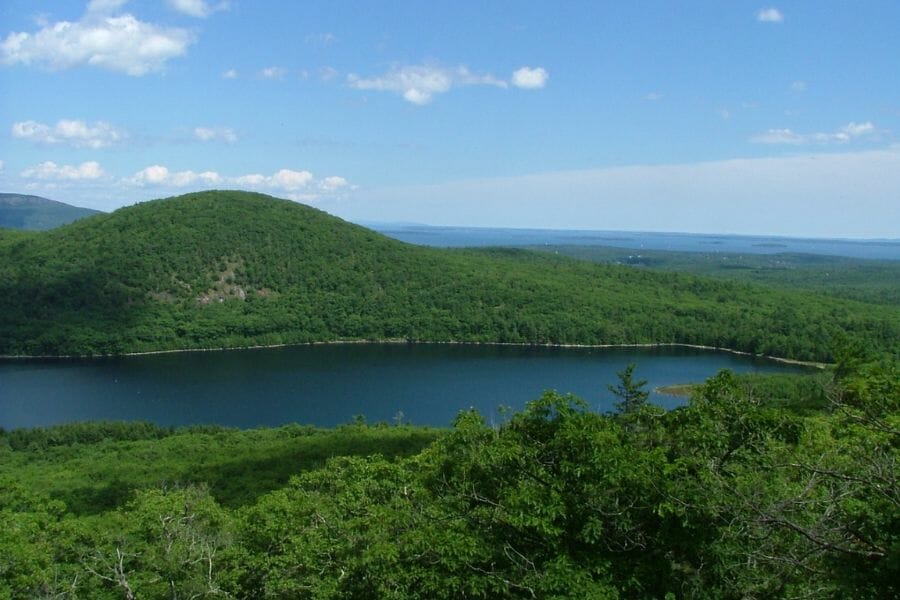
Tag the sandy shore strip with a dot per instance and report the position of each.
(790, 361)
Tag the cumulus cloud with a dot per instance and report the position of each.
(78, 134)
(230, 74)
(49, 170)
(798, 86)
(2, 165)
(152, 175)
(253, 180)
(287, 179)
(419, 84)
(530, 79)
(847, 133)
(102, 39)
(160, 175)
(769, 15)
(215, 134)
(333, 183)
(296, 184)
(272, 72)
(653, 96)
(856, 129)
(196, 8)
(284, 179)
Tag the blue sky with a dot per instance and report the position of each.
(726, 117)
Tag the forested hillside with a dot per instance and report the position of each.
(228, 269)
(867, 280)
(756, 489)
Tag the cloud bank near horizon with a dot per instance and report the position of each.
(812, 195)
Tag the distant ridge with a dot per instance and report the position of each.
(441, 236)
(34, 213)
(226, 269)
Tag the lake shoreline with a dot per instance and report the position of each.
(789, 361)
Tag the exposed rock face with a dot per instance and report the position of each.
(226, 286)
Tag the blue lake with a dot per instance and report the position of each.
(428, 384)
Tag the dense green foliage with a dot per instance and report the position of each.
(730, 496)
(18, 211)
(802, 393)
(94, 467)
(231, 269)
(873, 281)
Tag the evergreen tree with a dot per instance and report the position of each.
(632, 393)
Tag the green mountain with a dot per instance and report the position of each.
(18, 211)
(227, 269)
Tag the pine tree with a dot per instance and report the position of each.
(631, 392)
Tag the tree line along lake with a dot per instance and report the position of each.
(330, 384)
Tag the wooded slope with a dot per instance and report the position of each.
(228, 269)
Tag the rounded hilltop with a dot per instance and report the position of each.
(220, 269)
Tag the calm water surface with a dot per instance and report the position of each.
(327, 385)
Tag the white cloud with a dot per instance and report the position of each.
(230, 74)
(287, 179)
(723, 113)
(855, 130)
(653, 96)
(196, 8)
(2, 165)
(210, 177)
(769, 15)
(50, 170)
(158, 175)
(298, 185)
(183, 178)
(798, 86)
(100, 39)
(153, 175)
(420, 83)
(72, 132)
(847, 133)
(273, 72)
(530, 79)
(253, 180)
(333, 183)
(213, 134)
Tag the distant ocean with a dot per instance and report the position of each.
(428, 235)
